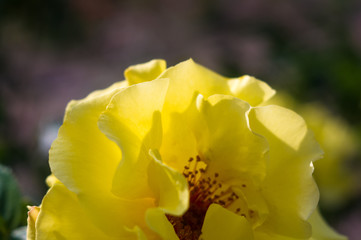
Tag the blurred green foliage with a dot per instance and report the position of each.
(12, 207)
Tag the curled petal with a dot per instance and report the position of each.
(82, 154)
(169, 186)
(251, 90)
(226, 141)
(62, 217)
(32, 217)
(133, 121)
(288, 188)
(145, 72)
(159, 223)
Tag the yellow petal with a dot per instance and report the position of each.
(179, 142)
(321, 230)
(138, 231)
(85, 160)
(336, 181)
(159, 223)
(99, 93)
(251, 89)
(145, 72)
(62, 217)
(169, 186)
(133, 121)
(115, 216)
(51, 180)
(288, 188)
(253, 199)
(227, 144)
(188, 77)
(82, 154)
(32, 217)
(271, 236)
(220, 223)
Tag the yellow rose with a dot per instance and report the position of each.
(181, 153)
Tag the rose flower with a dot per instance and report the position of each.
(180, 153)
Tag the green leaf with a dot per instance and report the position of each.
(10, 203)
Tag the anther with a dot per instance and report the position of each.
(204, 190)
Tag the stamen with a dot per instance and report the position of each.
(204, 190)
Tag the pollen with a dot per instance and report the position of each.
(204, 190)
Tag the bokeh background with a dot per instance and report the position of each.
(58, 50)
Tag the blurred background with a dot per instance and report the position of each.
(308, 50)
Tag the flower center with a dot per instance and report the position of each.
(204, 190)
